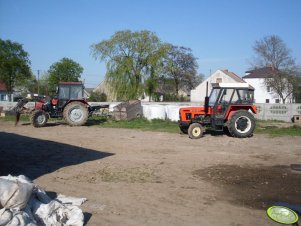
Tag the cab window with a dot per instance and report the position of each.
(64, 92)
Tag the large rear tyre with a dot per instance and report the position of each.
(241, 124)
(195, 131)
(76, 113)
(39, 118)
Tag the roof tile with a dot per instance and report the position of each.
(266, 72)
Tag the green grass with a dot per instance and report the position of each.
(23, 119)
(141, 124)
(12, 118)
(271, 127)
(277, 128)
(275, 131)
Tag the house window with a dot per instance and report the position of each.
(2, 97)
(268, 89)
(267, 101)
(219, 80)
(277, 101)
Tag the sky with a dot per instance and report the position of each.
(221, 33)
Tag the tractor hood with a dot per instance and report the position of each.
(193, 109)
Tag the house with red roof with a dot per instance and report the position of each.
(3, 92)
(220, 76)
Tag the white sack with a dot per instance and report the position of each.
(146, 111)
(5, 216)
(55, 213)
(21, 218)
(39, 210)
(68, 200)
(15, 218)
(14, 192)
(172, 113)
(154, 112)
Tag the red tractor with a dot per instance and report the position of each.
(230, 105)
(69, 103)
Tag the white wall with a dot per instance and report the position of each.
(171, 110)
(261, 93)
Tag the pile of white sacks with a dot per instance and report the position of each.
(170, 112)
(24, 203)
(157, 111)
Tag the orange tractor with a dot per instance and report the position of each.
(230, 105)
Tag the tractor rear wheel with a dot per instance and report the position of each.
(39, 118)
(241, 124)
(76, 113)
(195, 131)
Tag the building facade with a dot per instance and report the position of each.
(3, 92)
(220, 76)
(263, 93)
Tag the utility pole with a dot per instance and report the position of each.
(38, 81)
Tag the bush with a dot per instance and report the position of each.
(171, 97)
(98, 97)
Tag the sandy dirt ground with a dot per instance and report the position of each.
(132, 177)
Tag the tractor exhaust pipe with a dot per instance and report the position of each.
(206, 105)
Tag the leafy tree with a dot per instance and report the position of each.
(29, 86)
(43, 84)
(132, 60)
(98, 97)
(181, 66)
(283, 83)
(272, 51)
(14, 64)
(65, 70)
(37, 86)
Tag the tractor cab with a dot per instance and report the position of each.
(66, 92)
(225, 100)
(224, 94)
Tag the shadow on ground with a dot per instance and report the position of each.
(34, 157)
(254, 186)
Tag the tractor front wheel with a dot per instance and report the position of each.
(195, 131)
(39, 118)
(241, 124)
(76, 113)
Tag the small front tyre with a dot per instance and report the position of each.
(39, 118)
(195, 131)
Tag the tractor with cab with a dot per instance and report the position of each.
(229, 106)
(69, 103)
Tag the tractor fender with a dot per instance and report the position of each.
(82, 101)
(39, 105)
(231, 111)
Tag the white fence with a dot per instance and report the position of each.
(160, 110)
(283, 112)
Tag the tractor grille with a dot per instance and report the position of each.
(188, 116)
